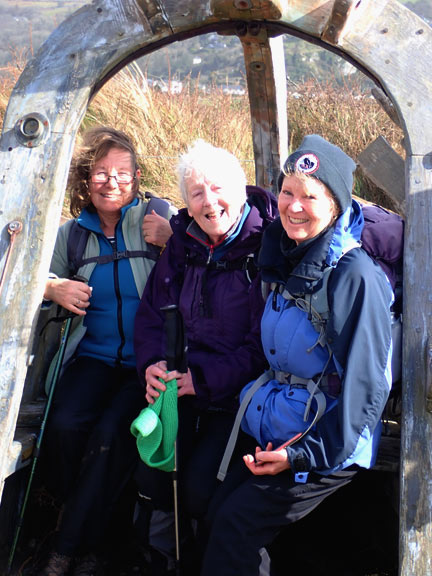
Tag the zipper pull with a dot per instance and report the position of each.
(210, 256)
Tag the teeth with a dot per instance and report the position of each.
(298, 220)
(215, 215)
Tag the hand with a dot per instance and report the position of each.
(154, 374)
(72, 295)
(267, 461)
(157, 372)
(156, 229)
(184, 383)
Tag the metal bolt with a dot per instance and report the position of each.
(31, 127)
(242, 4)
(32, 130)
(257, 66)
(14, 226)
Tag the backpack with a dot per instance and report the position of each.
(382, 238)
(78, 236)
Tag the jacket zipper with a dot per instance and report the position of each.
(119, 358)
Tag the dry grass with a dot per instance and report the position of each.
(9, 76)
(163, 124)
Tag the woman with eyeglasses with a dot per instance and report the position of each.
(89, 454)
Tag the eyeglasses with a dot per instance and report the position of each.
(122, 178)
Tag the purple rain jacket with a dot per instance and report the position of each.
(221, 303)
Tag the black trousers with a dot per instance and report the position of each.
(89, 454)
(248, 512)
(201, 441)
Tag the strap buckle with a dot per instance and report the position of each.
(120, 255)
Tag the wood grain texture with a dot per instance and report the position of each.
(265, 71)
(386, 169)
(416, 455)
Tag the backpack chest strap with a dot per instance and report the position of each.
(120, 255)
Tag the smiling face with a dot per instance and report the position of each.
(214, 207)
(306, 207)
(109, 197)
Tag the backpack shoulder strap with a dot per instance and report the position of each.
(319, 299)
(76, 243)
(78, 237)
(315, 304)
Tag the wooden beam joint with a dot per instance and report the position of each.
(247, 9)
(337, 23)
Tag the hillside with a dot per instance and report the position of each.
(212, 58)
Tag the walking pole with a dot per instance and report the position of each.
(176, 358)
(52, 385)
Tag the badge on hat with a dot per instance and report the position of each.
(307, 163)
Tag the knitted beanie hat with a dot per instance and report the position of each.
(328, 163)
(155, 430)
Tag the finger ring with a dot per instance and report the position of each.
(78, 302)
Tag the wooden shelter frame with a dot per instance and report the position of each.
(381, 37)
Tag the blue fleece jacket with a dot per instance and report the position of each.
(114, 302)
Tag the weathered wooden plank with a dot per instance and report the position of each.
(386, 169)
(31, 414)
(265, 71)
(338, 20)
(394, 44)
(388, 454)
(386, 104)
(20, 451)
(247, 9)
(416, 458)
(309, 16)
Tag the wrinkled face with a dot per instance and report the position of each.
(107, 194)
(214, 207)
(306, 207)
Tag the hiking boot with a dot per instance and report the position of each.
(88, 565)
(57, 565)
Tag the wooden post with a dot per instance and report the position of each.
(416, 475)
(266, 78)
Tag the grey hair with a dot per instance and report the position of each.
(215, 164)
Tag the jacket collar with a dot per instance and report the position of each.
(301, 267)
(89, 217)
(262, 209)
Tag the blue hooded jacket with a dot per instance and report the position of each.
(358, 331)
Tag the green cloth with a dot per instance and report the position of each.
(155, 430)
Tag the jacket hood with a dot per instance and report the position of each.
(265, 202)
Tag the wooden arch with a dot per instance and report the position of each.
(381, 37)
